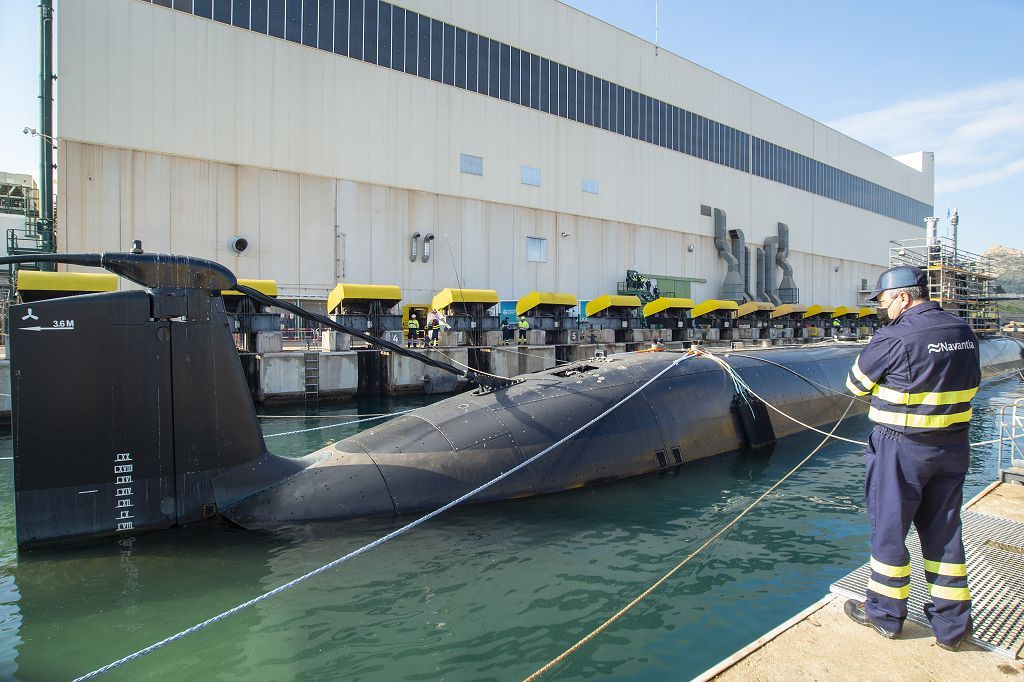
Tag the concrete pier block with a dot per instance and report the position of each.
(269, 342)
(509, 361)
(611, 348)
(641, 335)
(282, 376)
(491, 338)
(339, 374)
(407, 375)
(333, 341)
(582, 351)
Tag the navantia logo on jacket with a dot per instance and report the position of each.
(945, 347)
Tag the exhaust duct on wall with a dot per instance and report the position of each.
(739, 250)
(732, 287)
(759, 274)
(771, 249)
(788, 293)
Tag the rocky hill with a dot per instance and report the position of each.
(1009, 265)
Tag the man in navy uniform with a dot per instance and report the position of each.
(922, 370)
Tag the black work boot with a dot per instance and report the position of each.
(955, 644)
(855, 610)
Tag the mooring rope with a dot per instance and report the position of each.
(625, 609)
(334, 426)
(379, 541)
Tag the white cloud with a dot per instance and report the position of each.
(977, 134)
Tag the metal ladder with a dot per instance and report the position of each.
(311, 367)
(1011, 433)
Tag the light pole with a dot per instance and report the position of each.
(46, 141)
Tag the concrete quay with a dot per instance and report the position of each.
(823, 643)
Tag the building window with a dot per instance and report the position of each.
(474, 165)
(536, 250)
(590, 186)
(530, 175)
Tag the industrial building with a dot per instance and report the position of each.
(514, 146)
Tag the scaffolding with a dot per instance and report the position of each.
(958, 280)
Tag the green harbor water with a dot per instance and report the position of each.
(489, 592)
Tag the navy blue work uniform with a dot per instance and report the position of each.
(921, 372)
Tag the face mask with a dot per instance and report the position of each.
(883, 316)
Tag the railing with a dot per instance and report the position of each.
(1010, 432)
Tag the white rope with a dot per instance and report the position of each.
(738, 379)
(376, 543)
(334, 426)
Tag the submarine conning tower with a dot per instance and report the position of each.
(151, 397)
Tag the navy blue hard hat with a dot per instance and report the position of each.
(897, 278)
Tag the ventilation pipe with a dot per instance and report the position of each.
(732, 287)
(788, 293)
(771, 250)
(759, 274)
(739, 249)
(414, 247)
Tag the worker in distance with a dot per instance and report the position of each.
(921, 370)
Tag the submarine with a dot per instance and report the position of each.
(157, 428)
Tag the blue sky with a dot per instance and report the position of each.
(901, 76)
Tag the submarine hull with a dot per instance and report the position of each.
(422, 460)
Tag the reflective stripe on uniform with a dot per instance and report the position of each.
(942, 568)
(889, 570)
(918, 421)
(886, 591)
(926, 398)
(949, 593)
(854, 388)
(861, 376)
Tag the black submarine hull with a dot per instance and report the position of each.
(131, 413)
(420, 461)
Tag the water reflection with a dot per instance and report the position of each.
(484, 592)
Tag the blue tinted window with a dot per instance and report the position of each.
(221, 11)
(436, 49)
(292, 19)
(581, 95)
(588, 99)
(411, 42)
(472, 60)
(240, 13)
(397, 38)
(461, 59)
(355, 29)
(275, 25)
(448, 54)
(202, 8)
(384, 34)
(309, 22)
(545, 89)
(492, 67)
(515, 76)
(340, 26)
(536, 82)
(370, 32)
(325, 27)
(575, 96)
(424, 47)
(503, 66)
(258, 16)
(563, 90)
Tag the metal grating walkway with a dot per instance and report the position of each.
(995, 565)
